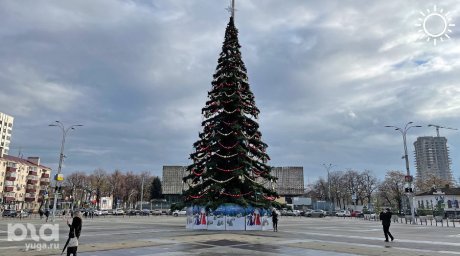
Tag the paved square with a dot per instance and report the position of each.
(166, 235)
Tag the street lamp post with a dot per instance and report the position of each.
(409, 178)
(328, 168)
(61, 159)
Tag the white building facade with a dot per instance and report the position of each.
(6, 129)
(447, 198)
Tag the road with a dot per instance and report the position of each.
(166, 235)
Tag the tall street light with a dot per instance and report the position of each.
(408, 178)
(328, 168)
(61, 158)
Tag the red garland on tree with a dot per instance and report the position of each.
(230, 147)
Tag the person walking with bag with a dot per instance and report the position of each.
(385, 217)
(74, 235)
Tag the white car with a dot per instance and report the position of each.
(177, 213)
(343, 213)
(296, 212)
(316, 213)
(98, 213)
(118, 212)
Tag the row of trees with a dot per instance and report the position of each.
(367, 189)
(125, 187)
(344, 185)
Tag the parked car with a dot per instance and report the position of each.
(357, 214)
(316, 213)
(288, 213)
(133, 212)
(9, 213)
(157, 212)
(145, 212)
(118, 212)
(343, 213)
(98, 212)
(296, 212)
(24, 213)
(304, 213)
(104, 212)
(179, 213)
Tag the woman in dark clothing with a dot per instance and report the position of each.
(75, 230)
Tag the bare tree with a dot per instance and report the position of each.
(320, 189)
(431, 182)
(336, 188)
(370, 185)
(98, 181)
(116, 186)
(74, 184)
(132, 190)
(392, 189)
(352, 185)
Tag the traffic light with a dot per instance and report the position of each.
(408, 178)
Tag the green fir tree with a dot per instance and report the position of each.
(230, 159)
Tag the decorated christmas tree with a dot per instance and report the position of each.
(230, 159)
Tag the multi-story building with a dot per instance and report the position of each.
(432, 158)
(23, 182)
(6, 127)
(171, 184)
(290, 182)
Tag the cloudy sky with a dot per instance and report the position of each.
(327, 76)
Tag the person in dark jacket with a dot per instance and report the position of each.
(385, 217)
(75, 231)
(275, 220)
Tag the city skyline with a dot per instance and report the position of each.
(327, 78)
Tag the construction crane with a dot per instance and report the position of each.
(438, 126)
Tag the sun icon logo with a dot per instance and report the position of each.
(435, 25)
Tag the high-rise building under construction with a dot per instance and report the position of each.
(432, 158)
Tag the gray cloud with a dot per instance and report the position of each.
(327, 76)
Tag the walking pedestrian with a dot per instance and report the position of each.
(74, 234)
(275, 220)
(47, 214)
(40, 212)
(385, 217)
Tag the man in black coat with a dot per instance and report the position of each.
(385, 217)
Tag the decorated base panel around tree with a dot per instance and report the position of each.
(229, 217)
